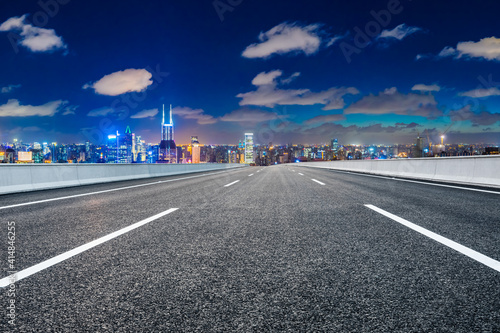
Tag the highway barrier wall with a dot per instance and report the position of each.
(31, 177)
(470, 170)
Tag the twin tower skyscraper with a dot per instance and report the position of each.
(168, 151)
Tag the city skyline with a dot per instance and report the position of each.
(377, 72)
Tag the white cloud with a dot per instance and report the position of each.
(400, 32)
(447, 52)
(34, 38)
(425, 87)
(335, 39)
(290, 78)
(121, 82)
(13, 23)
(9, 88)
(325, 119)
(482, 118)
(196, 114)
(478, 93)
(70, 110)
(392, 101)
(251, 116)
(486, 48)
(145, 114)
(13, 109)
(101, 112)
(285, 38)
(269, 95)
(264, 78)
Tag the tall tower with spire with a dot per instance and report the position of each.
(167, 144)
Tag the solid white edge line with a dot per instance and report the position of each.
(107, 191)
(66, 255)
(231, 183)
(492, 263)
(415, 181)
(317, 181)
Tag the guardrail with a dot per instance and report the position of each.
(470, 170)
(31, 177)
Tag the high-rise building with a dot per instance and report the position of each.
(113, 149)
(419, 147)
(168, 149)
(335, 146)
(127, 146)
(249, 148)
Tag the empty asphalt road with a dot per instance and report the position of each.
(279, 248)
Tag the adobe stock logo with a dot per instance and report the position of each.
(372, 29)
(223, 6)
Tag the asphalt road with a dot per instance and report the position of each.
(279, 248)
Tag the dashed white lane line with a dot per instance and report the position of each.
(231, 183)
(66, 255)
(293, 170)
(107, 191)
(317, 181)
(250, 175)
(492, 263)
(301, 174)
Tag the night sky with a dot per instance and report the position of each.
(365, 72)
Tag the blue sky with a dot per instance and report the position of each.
(289, 71)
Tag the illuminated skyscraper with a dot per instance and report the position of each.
(335, 146)
(167, 145)
(249, 148)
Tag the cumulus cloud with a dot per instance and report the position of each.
(482, 118)
(486, 48)
(196, 114)
(268, 94)
(33, 38)
(325, 119)
(251, 116)
(392, 101)
(9, 88)
(121, 82)
(400, 32)
(264, 78)
(14, 109)
(145, 114)
(285, 38)
(425, 87)
(101, 112)
(479, 93)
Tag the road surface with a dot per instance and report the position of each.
(257, 249)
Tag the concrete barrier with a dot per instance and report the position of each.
(470, 170)
(16, 178)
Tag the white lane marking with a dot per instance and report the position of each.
(492, 263)
(317, 181)
(293, 170)
(66, 255)
(250, 175)
(301, 174)
(231, 183)
(106, 191)
(417, 182)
